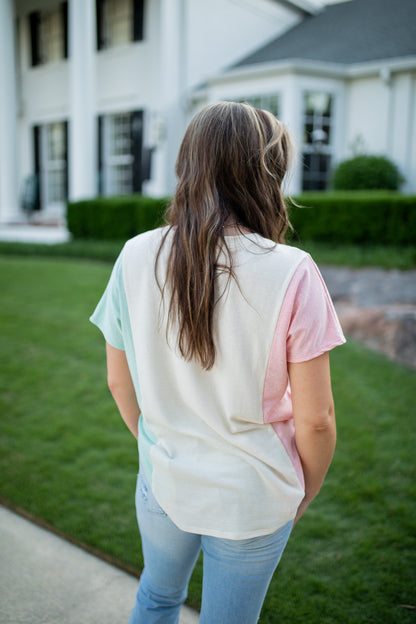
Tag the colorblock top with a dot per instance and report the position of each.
(218, 446)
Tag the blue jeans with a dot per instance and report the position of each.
(236, 573)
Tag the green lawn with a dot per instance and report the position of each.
(66, 456)
(387, 257)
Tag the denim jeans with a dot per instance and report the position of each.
(236, 573)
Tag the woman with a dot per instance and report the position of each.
(207, 321)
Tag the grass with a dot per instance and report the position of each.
(388, 257)
(66, 457)
(360, 256)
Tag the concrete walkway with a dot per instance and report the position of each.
(23, 233)
(45, 579)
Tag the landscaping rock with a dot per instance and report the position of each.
(378, 308)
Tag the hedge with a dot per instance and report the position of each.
(114, 218)
(370, 217)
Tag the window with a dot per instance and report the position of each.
(51, 145)
(317, 139)
(49, 35)
(55, 163)
(265, 102)
(120, 153)
(118, 22)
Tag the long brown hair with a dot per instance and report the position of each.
(230, 169)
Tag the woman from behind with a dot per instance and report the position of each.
(220, 333)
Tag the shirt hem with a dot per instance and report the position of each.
(315, 354)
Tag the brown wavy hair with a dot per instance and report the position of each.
(230, 169)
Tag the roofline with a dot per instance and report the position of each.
(318, 68)
(304, 7)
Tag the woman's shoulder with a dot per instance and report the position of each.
(146, 242)
(145, 238)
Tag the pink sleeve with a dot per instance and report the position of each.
(313, 325)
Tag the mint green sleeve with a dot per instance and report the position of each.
(109, 314)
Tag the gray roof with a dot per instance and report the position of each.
(350, 32)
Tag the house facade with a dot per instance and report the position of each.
(96, 94)
(343, 80)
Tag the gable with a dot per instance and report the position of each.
(349, 32)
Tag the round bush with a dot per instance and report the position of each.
(367, 172)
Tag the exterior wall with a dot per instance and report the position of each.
(368, 116)
(402, 145)
(381, 119)
(221, 32)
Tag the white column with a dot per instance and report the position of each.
(82, 134)
(173, 53)
(9, 203)
(292, 117)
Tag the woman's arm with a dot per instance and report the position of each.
(314, 417)
(122, 388)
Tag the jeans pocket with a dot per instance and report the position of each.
(145, 493)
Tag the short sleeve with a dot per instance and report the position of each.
(314, 327)
(107, 316)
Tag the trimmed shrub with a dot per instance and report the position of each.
(114, 218)
(372, 217)
(366, 172)
(363, 218)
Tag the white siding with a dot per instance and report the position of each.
(381, 110)
(221, 32)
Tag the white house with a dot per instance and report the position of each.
(96, 94)
(343, 80)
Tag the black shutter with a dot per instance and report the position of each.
(64, 13)
(65, 123)
(99, 5)
(138, 19)
(37, 164)
(147, 163)
(137, 144)
(100, 146)
(34, 21)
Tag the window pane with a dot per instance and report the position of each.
(56, 186)
(317, 136)
(51, 36)
(55, 141)
(118, 154)
(120, 134)
(265, 102)
(117, 22)
(308, 133)
(121, 179)
(318, 103)
(316, 170)
(273, 105)
(54, 164)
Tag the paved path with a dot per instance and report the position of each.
(34, 234)
(45, 579)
